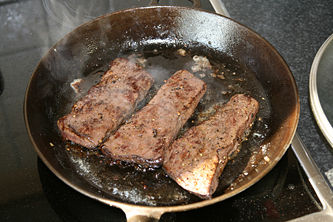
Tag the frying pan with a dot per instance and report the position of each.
(157, 33)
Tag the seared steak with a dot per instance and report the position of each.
(143, 138)
(106, 105)
(196, 160)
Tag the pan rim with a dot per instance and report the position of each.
(175, 208)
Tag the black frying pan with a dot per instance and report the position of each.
(248, 62)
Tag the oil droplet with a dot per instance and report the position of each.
(291, 186)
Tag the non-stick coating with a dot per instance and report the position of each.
(86, 51)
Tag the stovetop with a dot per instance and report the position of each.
(30, 192)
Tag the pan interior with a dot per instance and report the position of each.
(225, 78)
(241, 63)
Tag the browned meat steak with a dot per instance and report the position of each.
(196, 160)
(143, 138)
(106, 105)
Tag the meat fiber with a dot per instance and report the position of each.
(107, 104)
(144, 137)
(196, 160)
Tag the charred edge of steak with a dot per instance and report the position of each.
(196, 160)
(69, 133)
(143, 138)
(97, 114)
(133, 160)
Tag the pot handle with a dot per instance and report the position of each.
(195, 3)
(142, 215)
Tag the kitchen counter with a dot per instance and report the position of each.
(295, 28)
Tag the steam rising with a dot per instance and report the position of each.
(66, 15)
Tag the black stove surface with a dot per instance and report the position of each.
(30, 192)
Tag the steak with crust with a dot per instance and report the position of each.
(196, 160)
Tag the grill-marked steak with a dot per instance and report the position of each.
(106, 105)
(144, 137)
(196, 160)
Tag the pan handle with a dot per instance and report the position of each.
(142, 214)
(219, 7)
(196, 3)
(141, 218)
